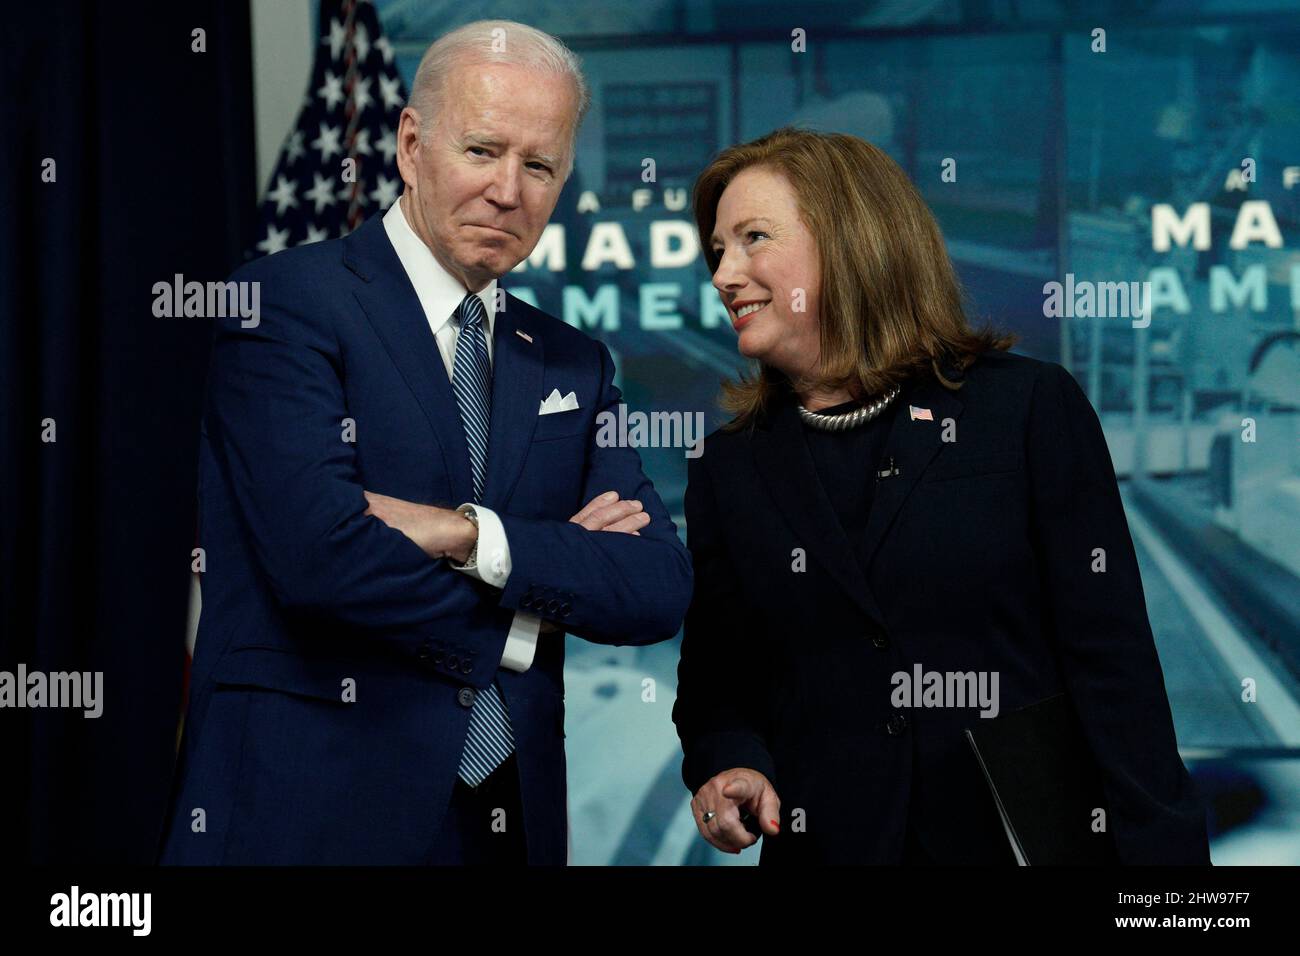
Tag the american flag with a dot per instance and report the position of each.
(353, 103)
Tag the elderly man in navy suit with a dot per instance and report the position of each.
(404, 508)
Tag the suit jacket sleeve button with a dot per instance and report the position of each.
(452, 661)
(465, 697)
(437, 657)
(896, 724)
(466, 666)
(879, 641)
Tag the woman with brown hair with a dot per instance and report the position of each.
(897, 496)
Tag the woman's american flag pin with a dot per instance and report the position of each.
(922, 413)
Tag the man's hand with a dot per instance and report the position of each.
(607, 513)
(729, 794)
(444, 533)
(440, 532)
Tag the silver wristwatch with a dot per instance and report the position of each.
(472, 516)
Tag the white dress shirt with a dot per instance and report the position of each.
(440, 294)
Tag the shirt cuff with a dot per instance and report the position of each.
(521, 642)
(490, 560)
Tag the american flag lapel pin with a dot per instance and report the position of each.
(524, 335)
(922, 414)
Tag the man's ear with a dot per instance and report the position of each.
(408, 145)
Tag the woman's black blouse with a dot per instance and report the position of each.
(847, 463)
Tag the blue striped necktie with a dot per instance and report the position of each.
(489, 739)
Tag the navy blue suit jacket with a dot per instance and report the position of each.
(303, 592)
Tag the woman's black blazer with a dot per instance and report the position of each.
(983, 557)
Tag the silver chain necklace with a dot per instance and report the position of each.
(847, 420)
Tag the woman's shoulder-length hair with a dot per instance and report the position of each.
(891, 303)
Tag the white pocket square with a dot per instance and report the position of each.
(553, 403)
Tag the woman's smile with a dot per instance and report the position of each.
(744, 313)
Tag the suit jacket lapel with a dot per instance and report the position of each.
(912, 444)
(782, 458)
(390, 303)
(517, 366)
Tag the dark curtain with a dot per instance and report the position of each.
(153, 146)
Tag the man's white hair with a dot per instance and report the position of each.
(494, 41)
